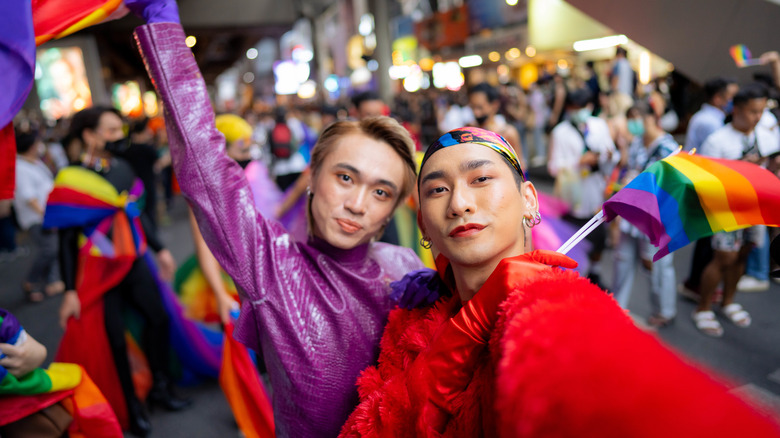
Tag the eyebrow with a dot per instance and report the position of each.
(474, 164)
(436, 174)
(356, 172)
(464, 167)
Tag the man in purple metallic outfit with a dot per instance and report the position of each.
(317, 309)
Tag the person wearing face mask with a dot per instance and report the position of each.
(485, 103)
(582, 154)
(315, 309)
(140, 153)
(34, 181)
(650, 144)
(105, 268)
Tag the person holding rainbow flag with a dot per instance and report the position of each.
(517, 346)
(46, 402)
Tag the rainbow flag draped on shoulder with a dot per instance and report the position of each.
(63, 383)
(82, 198)
(112, 240)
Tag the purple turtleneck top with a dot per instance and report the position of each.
(316, 312)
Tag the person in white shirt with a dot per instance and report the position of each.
(484, 102)
(34, 181)
(756, 277)
(582, 154)
(711, 115)
(742, 139)
(451, 115)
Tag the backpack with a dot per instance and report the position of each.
(281, 140)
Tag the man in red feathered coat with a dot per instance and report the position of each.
(523, 348)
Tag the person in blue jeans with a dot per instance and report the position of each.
(650, 144)
(756, 278)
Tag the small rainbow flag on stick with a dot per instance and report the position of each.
(686, 197)
(742, 57)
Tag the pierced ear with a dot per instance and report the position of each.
(530, 195)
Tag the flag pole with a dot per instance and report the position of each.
(586, 229)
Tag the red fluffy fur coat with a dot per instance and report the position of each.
(564, 361)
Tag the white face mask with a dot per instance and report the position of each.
(580, 115)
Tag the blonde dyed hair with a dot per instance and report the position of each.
(382, 128)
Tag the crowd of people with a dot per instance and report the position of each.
(298, 206)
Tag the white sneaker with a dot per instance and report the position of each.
(751, 284)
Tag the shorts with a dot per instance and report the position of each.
(732, 241)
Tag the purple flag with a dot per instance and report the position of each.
(17, 56)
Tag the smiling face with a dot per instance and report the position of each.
(471, 207)
(355, 190)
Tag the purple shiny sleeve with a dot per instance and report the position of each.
(214, 184)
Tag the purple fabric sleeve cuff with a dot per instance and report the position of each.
(166, 12)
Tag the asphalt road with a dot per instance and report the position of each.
(749, 359)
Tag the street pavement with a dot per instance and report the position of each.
(748, 359)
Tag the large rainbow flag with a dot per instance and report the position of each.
(686, 197)
(58, 18)
(111, 242)
(63, 383)
(23, 25)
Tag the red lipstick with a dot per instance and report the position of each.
(466, 230)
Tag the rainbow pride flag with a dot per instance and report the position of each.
(244, 390)
(742, 56)
(64, 383)
(58, 18)
(58, 377)
(686, 197)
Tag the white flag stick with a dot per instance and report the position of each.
(594, 222)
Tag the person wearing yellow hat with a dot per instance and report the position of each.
(238, 137)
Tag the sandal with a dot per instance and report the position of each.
(739, 316)
(54, 288)
(32, 295)
(659, 321)
(707, 323)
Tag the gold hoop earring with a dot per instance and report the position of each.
(426, 243)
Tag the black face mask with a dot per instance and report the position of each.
(481, 120)
(119, 146)
(243, 163)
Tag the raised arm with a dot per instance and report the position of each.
(214, 184)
